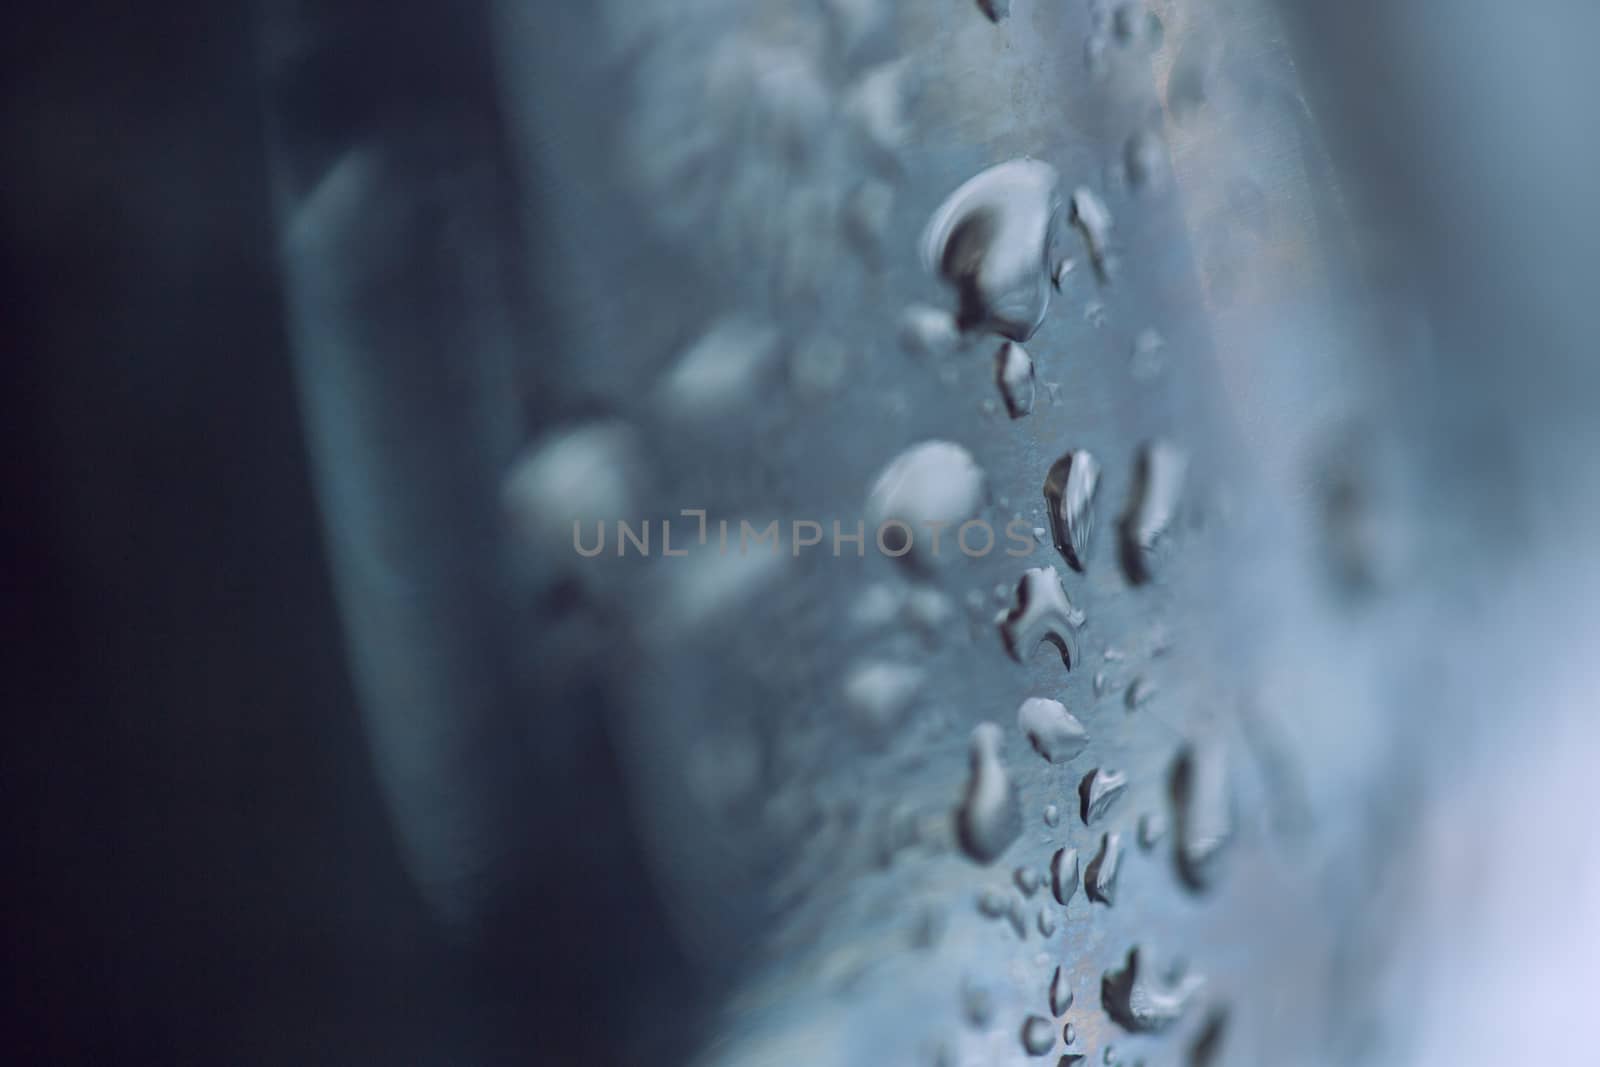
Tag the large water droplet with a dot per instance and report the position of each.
(1060, 992)
(1038, 1035)
(1202, 812)
(1053, 731)
(1093, 219)
(1142, 1004)
(929, 485)
(1098, 791)
(1158, 480)
(1100, 878)
(1064, 876)
(1041, 612)
(1069, 491)
(990, 239)
(1013, 371)
(989, 818)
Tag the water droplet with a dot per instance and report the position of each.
(1094, 313)
(1041, 612)
(1038, 1035)
(1027, 880)
(1141, 1004)
(1047, 923)
(928, 331)
(722, 370)
(1069, 492)
(928, 928)
(989, 818)
(1145, 157)
(1109, 1056)
(1013, 369)
(992, 903)
(1100, 878)
(934, 482)
(1152, 828)
(1064, 876)
(877, 606)
(1060, 992)
(1053, 731)
(928, 608)
(1148, 359)
(990, 239)
(1052, 815)
(1207, 1045)
(875, 104)
(880, 692)
(585, 474)
(1159, 474)
(976, 1004)
(867, 213)
(1063, 268)
(996, 11)
(1069, 1034)
(1186, 89)
(1098, 791)
(1202, 812)
(1140, 693)
(1070, 1059)
(818, 366)
(1019, 924)
(1093, 219)
(1133, 25)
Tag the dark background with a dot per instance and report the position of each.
(200, 870)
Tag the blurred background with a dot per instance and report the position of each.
(325, 319)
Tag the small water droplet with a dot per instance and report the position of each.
(1038, 1035)
(877, 606)
(996, 11)
(990, 240)
(1063, 269)
(818, 366)
(1141, 1004)
(977, 1004)
(1041, 612)
(1109, 1057)
(1013, 369)
(1027, 880)
(1202, 812)
(722, 370)
(1093, 219)
(989, 818)
(992, 903)
(880, 692)
(1159, 474)
(928, 609)
(1094, 313)
(1133, 25)
(1069, 1034)
(1053, 731)
(1140, 693)
(1060, 992)
(927, 928)
(1098, 791)
(1069, 492)
(1152, 828)
(1064, 875)
(928, 331)
(1052, 815)
(1148, 359)
(867, 213)
(1100, 878)
(876, 105)
(1145, 157)
(1047, 923)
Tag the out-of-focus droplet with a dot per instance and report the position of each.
(1041, 612)
(1064, 876)
(1109, 1056)
(1014, 916)
(1098, 791)
(996, 11)
(928, 928)
(928, 609)
(1047, 923)
(977, 1004)
(1094, 55)
(1148, 358)
(1013, 370)
(1145, 158)
(586, 474)
(875, 104)
(1152, 828)
(1133, 25)
(1100, 877)
(928, 331)
(1186, 89)
(1140, 693)
(1060, 992)
(1202, 812)
(868, 211)
(1053, 731)
(1038, 1035)
(878, 694)
(1093, 219)
(1141, 1003)
(992, 903)
(989, 818)
(1207, 1045)
(990, 240)
(1052, 815)
(877, 606)
(1069, 492)
(723, 370)
(932, 482)
(1027, 880)
(817, 367)
(1159, 474)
